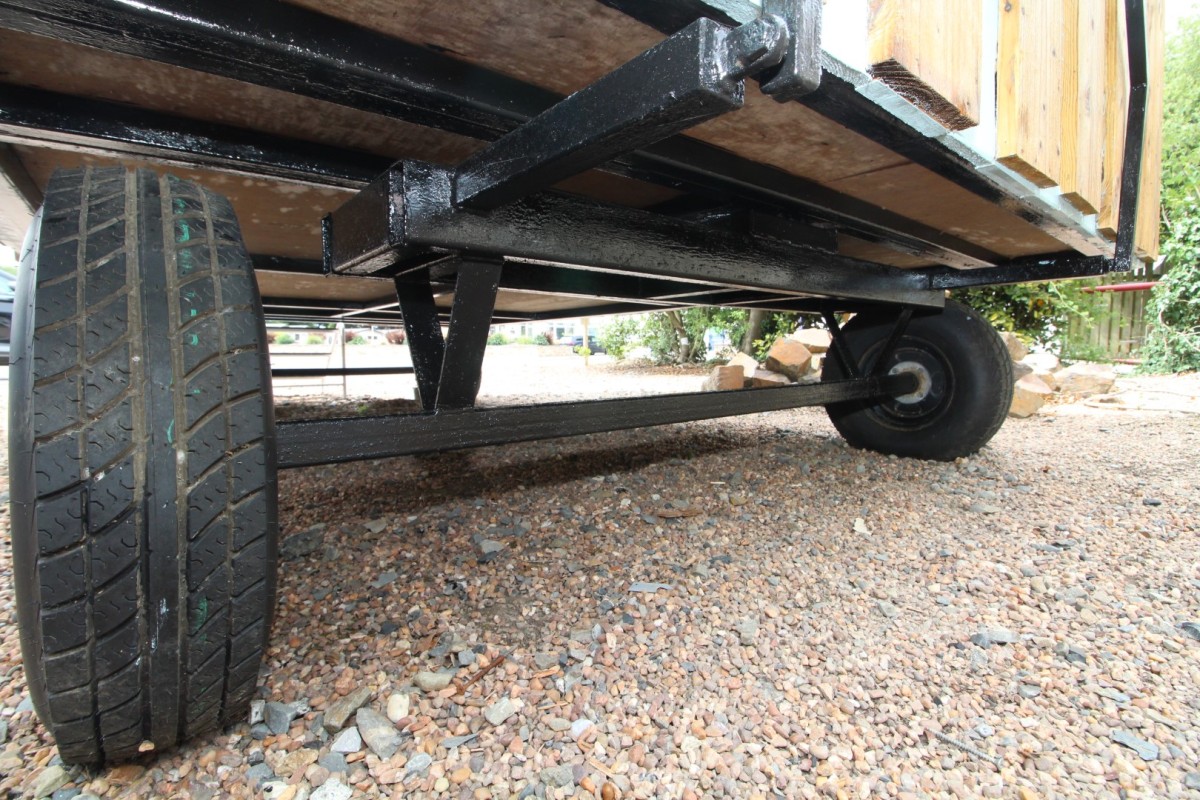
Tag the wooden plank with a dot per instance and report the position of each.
(1151, 194)
(1089, 104)
(1116, 101)
(1029, 89)
(919, 194)
(928, 51)
(1068, 127)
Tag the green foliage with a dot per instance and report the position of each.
(1037, 312)
(285, 338)
(496, 337)
(775, 326)
(583, 350)
(621, 336)
(315, 338)
(1173, 313)
(665, 332)
(357, 340)
(523, 340)
(1181, 122)
(543, 339)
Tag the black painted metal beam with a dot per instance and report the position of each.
(1025, 270)
(338, 372)
(466, 336)
(423, 327)
(409, 211)
(46, 119)
(304, 443)
(292, 49)
(838, 98)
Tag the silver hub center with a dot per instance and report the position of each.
(924, 381)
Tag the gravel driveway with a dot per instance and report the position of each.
(736, 608)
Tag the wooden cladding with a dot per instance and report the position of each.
(928, 52)
(1062, 86)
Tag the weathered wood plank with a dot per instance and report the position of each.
(1148, 207)
(1029, 90)
(1116, 101)
(1090, 105)
(928, 51)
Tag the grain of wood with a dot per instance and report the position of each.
(1029, 90)
(1115, 102)
(1148, 206)
(928, 51)
(1090, 105)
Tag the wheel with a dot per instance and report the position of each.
(142, 458)
(965, 384)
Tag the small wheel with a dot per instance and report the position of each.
(142, 456)
(964, 384)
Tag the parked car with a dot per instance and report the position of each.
(593, 344)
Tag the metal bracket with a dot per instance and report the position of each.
(690, 77)
(799, 71)
(448, 369)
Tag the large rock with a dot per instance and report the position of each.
(789, 357)
(815, 339)
(746, 363)
(1085, 379)
(765, 379)
(378, 733)
(1016, 348)
(1042, 362)
(1020, 370)
(1029, 394)
(723, 379)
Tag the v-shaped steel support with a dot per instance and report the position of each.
(449, 368)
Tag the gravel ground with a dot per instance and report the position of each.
(737, 608)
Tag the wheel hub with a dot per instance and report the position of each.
(924, 381)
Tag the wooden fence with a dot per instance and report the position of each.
(1117, 329)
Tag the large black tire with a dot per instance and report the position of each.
(142, 461)
(966, 391)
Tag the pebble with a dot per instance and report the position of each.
(332, 789)
(557, 777)
(1029, 691)
(398, 706)
(499, 712)
(419, 764)
(278, 717)
(343, 708)
(334, 762)
(378, 733)
(1147, 751)
(347, 741)
(50, 779)
(430, 682)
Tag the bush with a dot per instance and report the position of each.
(523, 340)
(285, 338)
(621, 336)
(1038, 313)
(545, 338)
(315, 338)
(1173, 313)
(357, 340)
(497, 338)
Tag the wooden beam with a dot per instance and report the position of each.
(19, 198)
(1029, 90)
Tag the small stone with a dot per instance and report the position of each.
(430, 682)
(378, 733)
(452, 742)
(334, 762)
(278, 717)
(441, 784)
(644, 587)
(1024, 793)
(747, 630)
(50, 780)
(888, 609)
(558, 724)
(579, 727)
(1030, 393)
(1148, 751)
(348, 741)
(1192, 780)
(559, 776)
(332, 789)
(1190, 629)
(295, 761)
(384, 579)
(66, 794)
(500, 711)
(259, 774)
(398, 706)
(303, 543)
(256, 711)
(1085, 379)
(1029, 691)
(342, 709)
(277, 790)
(990, 636)
(984, 508)
(489, 549)
(418, 765)
(983, 730)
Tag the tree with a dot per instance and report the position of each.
(1173, 312)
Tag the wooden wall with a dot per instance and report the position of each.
(1061, 88)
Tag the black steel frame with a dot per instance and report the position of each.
(761, 238)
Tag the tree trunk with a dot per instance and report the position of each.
(754, 330)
